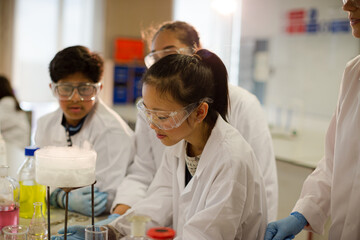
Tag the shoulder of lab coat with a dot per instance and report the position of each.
(14, 125)
(248, 117)
(149, 151)
(328, 190)
(226, 160)
(109, 135)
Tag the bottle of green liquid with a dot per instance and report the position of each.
(30, 190)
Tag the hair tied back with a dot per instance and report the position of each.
(195, 55)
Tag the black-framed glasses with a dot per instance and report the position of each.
(86, 91)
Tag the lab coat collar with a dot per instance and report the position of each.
(217, 135)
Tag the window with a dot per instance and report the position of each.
(219, 31)
(42, 28)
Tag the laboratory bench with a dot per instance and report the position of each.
(57, 219)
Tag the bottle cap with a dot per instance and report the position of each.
(29, 151)
(161, 233)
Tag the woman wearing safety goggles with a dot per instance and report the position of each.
(208, 185)
(245, 114)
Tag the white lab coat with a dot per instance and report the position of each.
(225, 199)
(245, 114)
(14, 125)
(110, 136)
(333, 188)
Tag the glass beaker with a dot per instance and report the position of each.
(15, 232)
(96, 233)
(37, 227)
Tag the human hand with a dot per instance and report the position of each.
(80, 201)
(121, 208)
(110, 218)
(286, 228)
(76, 232)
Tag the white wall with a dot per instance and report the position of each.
(306, 69)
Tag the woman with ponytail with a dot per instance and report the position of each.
(244, 113)
(209, 185)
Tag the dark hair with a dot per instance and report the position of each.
(186, 33)
(7, 91)
(76, 59)
(188, 79)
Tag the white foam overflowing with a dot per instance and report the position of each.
(65, 166)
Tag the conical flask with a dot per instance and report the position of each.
(9, 192)
(37, 227)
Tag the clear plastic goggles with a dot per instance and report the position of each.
(355, 3)
(153, 57)
(167, 120)
(86, 91)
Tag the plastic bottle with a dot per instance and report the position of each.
(163, 233)
(31, 191)
(138, 226)
(37, 226)
(9, 192)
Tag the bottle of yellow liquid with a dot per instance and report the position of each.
(30, 190)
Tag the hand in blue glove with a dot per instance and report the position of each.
(110, 218)
(286, 228)
(76, 232)
(80, 201)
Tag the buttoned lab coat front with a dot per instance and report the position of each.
(245, 114)
(110, 136)
(334, 187)
(14, 125)
(225, 199)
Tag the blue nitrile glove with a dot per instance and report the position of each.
(76, 232)
(286, 228)
(110, 218)
(80, 201)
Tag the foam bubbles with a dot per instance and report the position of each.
(65, 166)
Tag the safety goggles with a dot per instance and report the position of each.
(355, 3)
(65, 91)
(167, 120)
(153, 57)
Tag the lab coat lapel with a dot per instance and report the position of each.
(180, 172)
(215, 137)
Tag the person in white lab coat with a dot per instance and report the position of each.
(82, 117)
(209, 184)
(245, 114)
(332, 190)
(14, 124)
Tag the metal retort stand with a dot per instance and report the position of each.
(67, 190)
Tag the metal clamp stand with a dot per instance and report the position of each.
(67, 190)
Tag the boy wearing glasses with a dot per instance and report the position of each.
(82, 117)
